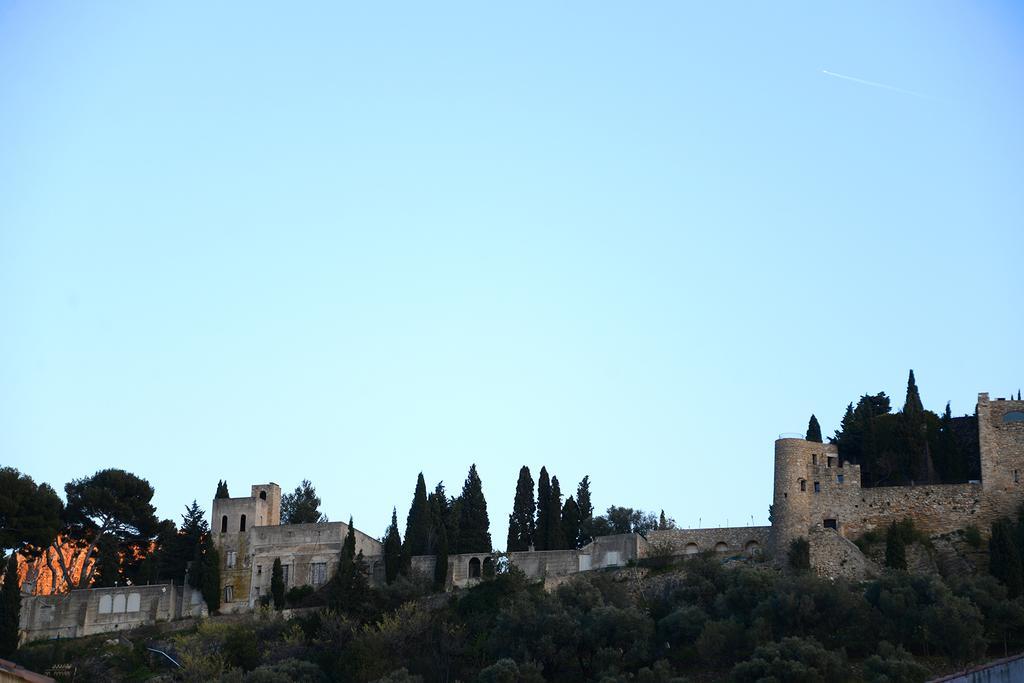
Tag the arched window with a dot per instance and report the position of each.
(134, 602)
(752, 547)
(690, 549)
(106, 603)
(241, 523)
(488, 568)
(1013, 416)
(224, 524)
(474, 568)
(263, 495)
(120, 600)
(721, 547)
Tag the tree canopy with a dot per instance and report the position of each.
(30, 514)
(474, 525)
(521, 523)
(301, 506)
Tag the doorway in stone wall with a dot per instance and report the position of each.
(830, 524)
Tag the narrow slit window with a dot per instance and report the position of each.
(241, 523)
(224, 524)
(817, 487)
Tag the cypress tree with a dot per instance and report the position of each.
(392, 549)
(586, 512)
(222, 489)
(521, 523)
(543, 531)
(571, 522)
(912, 403)
(208, 577)
(1005, 559)
(10, 607)
(556, 539)
(417, 525)
(813, 430)
(348, 548)
(895, 548)
(277, 584)
(474, 525)
(108, 564)
(662, 522)
(441, 560)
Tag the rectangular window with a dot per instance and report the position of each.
(831, 462)
(231, 559)
(814, 458)
(817, 487)
(1016, 476)
(839, 478)
(229, 593)
(259, 570)
(317, 573)
(284, 573)
(803, 485)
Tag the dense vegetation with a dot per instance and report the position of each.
(705, 621)
(913, 445)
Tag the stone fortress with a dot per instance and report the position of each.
(816, 496)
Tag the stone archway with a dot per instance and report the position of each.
(721, 547)
(691, 549)
(474, 568)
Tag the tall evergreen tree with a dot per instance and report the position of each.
(556, 539)
(440, 517)
(474, 525)
(417, 525)
(108, 563)
(521, 523)
(571, 522)
(10, 607)
(543, 530)
(348, 590)
(912, 404)
(348, 547)
(1005, 559)
(207, 579)
(222, 489)
(441, 559)
(586, 512)
(813, 430)
(277, 584)
(914, 431)
(392, 549)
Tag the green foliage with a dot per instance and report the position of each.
(30, 515)
(277, 584)
(417, 524)
(893, 665)
(813, 430)
(392, 549)
(623, 520)
(113, 502)
(297, 594)
(474, 525)
(543, 534)
(10, 607)
(208, 577)
(302, 506)
(973, 536)
(1005, 557)
(556, 538)
(586, 512)
(240, 648)
(521, 523)
(792, 659)
(108, 563)
(571, 524)
(287, 671)
(441, 560)
(895, 548)
(799, 555)
(222, 490)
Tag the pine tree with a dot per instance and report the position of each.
(302, 506)
(586, 512)
(222, 490)
(895, 548)
(277, 584)
(543, 531)
(556, 539)
(1005, 558)
(571, 522)
(417, 525)
(10, 607)
(108, 563)
(813, 430)
(474, 525)
(392, 549)
(521, 523)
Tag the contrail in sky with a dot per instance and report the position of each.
(876, 85)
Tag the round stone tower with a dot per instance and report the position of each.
(791, 514)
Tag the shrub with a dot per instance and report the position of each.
(800, 555)
(973, 536)
(792, 659)
(893, 665)
(296, 594)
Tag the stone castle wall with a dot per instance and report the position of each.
(749, 540)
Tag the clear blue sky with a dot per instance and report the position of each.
(259, 241)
